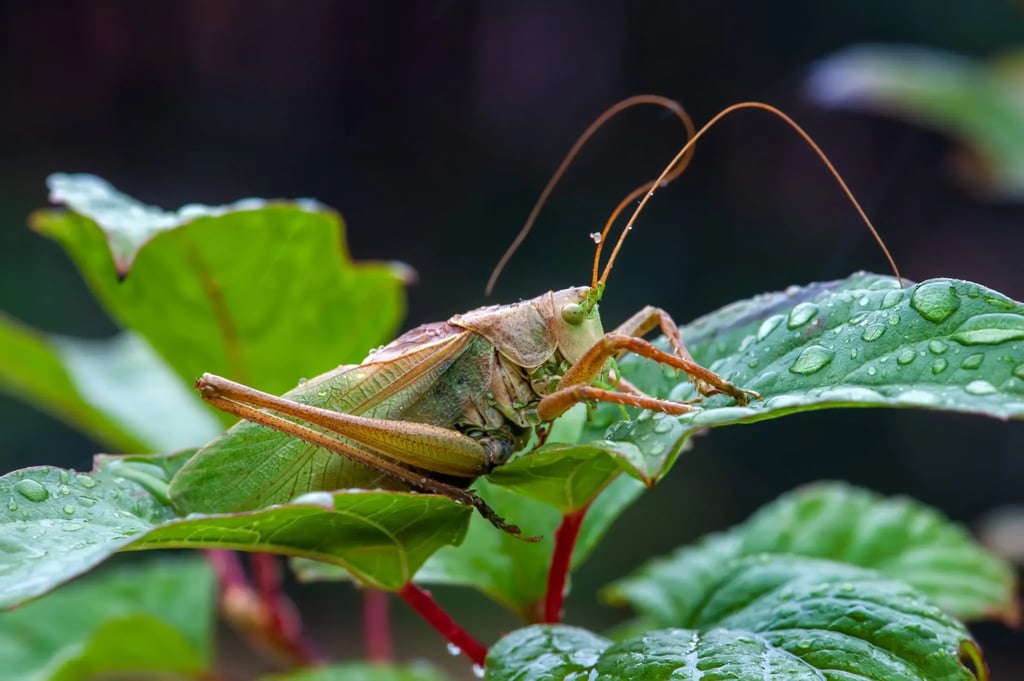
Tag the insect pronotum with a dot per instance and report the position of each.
(449, 401)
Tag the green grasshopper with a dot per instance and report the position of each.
(447, 402)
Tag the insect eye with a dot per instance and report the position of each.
(573, 314)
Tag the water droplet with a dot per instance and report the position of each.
(768, 325)
(69, 509)
(1019, 371)
(872, 371)
(12, 505)
(64, 490)
(478, 671)
(454, 650)
(873, 332)
(114, 494)
(990, 329)
(801, 314)
(937, 346)
(662, 425)
(972, 361)
(302, 381)
(753, 363)
(939, 365)
(935, 301)
(906, 356)
(595, 237)
(858, 318)
(63, 475)
(812, 359)
(893, 319)
(31, 490)
(979, 388)
(892, 299)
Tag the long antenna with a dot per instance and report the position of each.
(677, 166)
(670, 172)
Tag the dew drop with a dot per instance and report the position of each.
(753, 364)
(69, 509)
(63, 475)
(595, 237)
(894, 320)
(939, 365)
(12, 505)
(662, 426)
(990, 329)
(853, 353)
(892, 299)
(768, 325)
(64, 490)
(935, 301)
(811, 360)
(454, 650)
(1019, 371)
(972, 361)
(478, 671)
(31, 490)
(906, 357)
(873, 332)
(937, 347)
(979, 388)
(872, 371)
(801, 314)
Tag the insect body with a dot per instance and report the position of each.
(438, 407)
(447, 402)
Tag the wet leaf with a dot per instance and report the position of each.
(765, 617)
(899, 537)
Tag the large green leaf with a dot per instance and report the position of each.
(118, 391)
(975, 102)
(56, 524)
(764, 618)
(155, 618)
(943, 344)
(899, 537)
(264, 293)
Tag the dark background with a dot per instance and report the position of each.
(433, 126)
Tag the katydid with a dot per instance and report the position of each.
(447, 402)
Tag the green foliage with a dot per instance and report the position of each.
(156, 619)
(764, 617)
(898, 537)
(826, 578)
(975, 102)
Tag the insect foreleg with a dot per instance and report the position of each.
(575, 385)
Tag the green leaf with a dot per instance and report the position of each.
(117, 390)
(509, 571)
(765, 617)
(359, 671)
(153, 618)
(264, 293)
(978, 103)
(56, 524)
(943, 344)
(899, 537)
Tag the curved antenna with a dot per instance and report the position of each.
(668, 172)
(609, 113)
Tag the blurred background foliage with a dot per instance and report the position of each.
(432, 126)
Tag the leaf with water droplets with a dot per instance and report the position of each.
(897, 536)
(943, 344)
(765, 617)
(58, 524)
